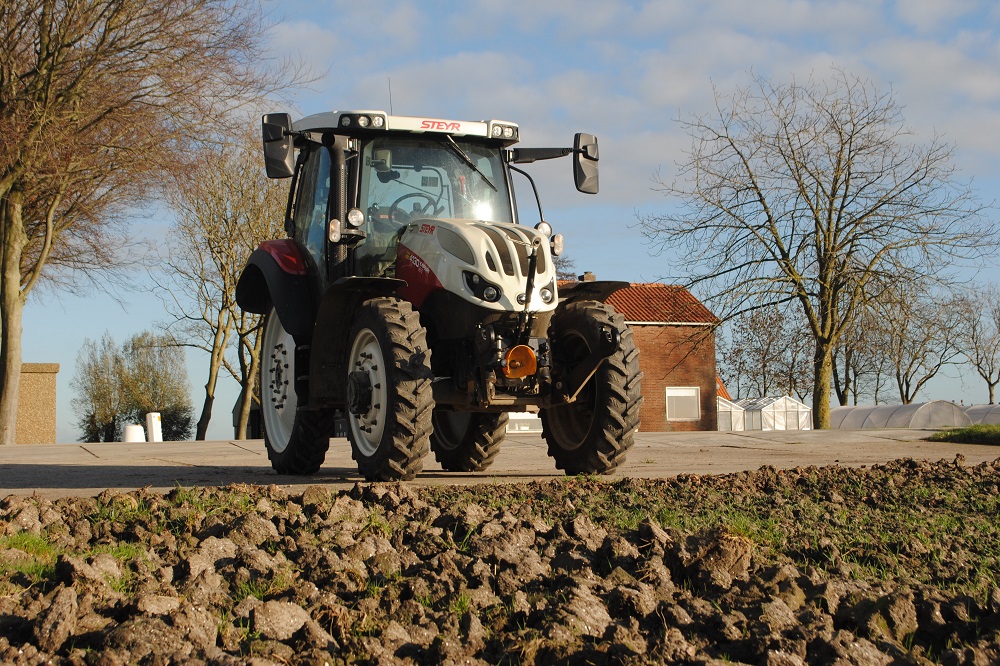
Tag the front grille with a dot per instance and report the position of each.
(501, 246)
(509, 243)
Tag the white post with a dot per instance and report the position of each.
(134, 433)
(154, 427)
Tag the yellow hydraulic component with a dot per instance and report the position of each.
(519, 362)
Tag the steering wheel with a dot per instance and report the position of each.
(394, 209)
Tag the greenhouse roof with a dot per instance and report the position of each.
(988, 414)
(933, 414)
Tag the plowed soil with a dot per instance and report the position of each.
(892, 564)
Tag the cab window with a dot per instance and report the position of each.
(312, 202)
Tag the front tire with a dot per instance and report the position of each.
(296, 439)
(467, 441)
(592, 434)
(389, 394)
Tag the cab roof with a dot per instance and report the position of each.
(368, 122)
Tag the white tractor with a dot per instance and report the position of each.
(408, 300)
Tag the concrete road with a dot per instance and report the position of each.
(60, 470)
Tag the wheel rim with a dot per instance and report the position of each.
(450, 428)
(278, 398)
(572, 423)
(368, 425)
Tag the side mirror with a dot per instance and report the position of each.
(382, 160)
(279, 151)
(585, 156)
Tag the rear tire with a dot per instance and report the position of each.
(296, 439)
(389, 395)
(467, 441)
(592, 435)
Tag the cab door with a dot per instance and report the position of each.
(311, 213)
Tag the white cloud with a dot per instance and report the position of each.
(931, 15)
(306, 40)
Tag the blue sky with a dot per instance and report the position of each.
(625, 71)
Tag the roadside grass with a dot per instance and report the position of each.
(977, 434)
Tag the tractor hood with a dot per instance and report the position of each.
(485, 263)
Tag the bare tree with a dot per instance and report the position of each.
(806, 193)
(766, 353)
(860, 357)
(117, 385)
(96, 99)
(980, 343)
(565, 268)
(224, 208)
(920, 335)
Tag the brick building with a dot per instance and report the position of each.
(675, 335)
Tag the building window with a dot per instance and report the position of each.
(683, 403)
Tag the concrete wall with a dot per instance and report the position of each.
(676, 356)
(36, 404)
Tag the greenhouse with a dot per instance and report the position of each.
(782, 413)
(731, 415)
(983, 414)
(933, 414)
(524, 422)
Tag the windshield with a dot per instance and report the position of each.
(431, 177)
(407, 178)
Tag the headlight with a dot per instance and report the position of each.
(481, 288)
(544, 228)
(355, 217)
(546, 295)
(556, 243)
(502, 131)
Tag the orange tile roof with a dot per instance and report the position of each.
(660, 303)
(721, 389)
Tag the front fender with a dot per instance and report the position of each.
(276, 276)
(588, 291)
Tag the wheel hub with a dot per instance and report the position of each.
(359, 393)
(278, 383)
(279, 402)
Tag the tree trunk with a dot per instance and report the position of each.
(243, 416)
(206, 411)
(219, 344)
(843, 388)
(250, 368)
(11, 310)
(823, 372)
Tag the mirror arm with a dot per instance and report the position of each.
(529, 155)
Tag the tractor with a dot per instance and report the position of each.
(409, 302)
